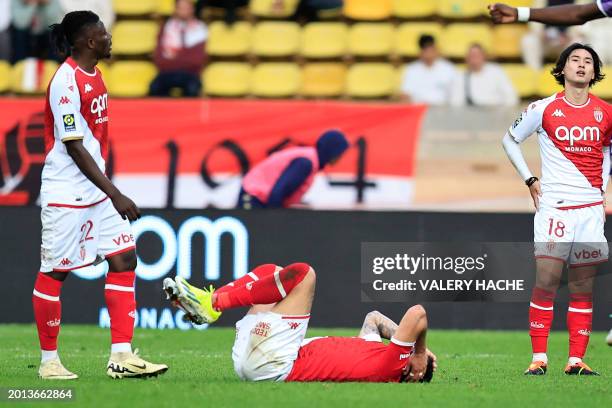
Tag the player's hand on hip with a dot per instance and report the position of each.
(536, 192)
(126, 207)
(502, 13)
(417, 367)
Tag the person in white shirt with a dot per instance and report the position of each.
(483, 83)
(428, 80)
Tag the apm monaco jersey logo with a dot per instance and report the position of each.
(578, 134)
(598, 114)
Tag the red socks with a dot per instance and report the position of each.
(579, 323)
(119, 296)
(270, 286)
(47, 310)
(540, 318)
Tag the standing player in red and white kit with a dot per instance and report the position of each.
(270, 344)
(83, 214)
(574, 129)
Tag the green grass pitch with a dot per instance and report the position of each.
(476, 368)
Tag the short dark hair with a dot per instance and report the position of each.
(65, 34)
(557, 70)
(426, 40)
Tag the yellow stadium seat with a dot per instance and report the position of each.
(414, 8)
(407, 37)
(371, 39)
(507, 40)
(165, 7)
(462, 8)
(264, 8)
(523, 78)
(276, 80)
(5, 76)
(134, 7)
(324, 40)
(227, 79)
(603, 89)
(367, 9)
(276, 39)
(325, 79)
(134, 37)
(371, 80)
(226, 41)
(104, 68)
(38, 85)
(457, 38)
(130, 79)
(546, 83)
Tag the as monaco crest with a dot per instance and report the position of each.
(598, 114)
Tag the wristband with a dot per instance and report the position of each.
(523, 14)
(530, 181)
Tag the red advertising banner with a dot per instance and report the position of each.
(193, 153)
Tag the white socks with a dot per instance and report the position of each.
(574, 360)
(48, 355)
(539, 357)
(121, 348)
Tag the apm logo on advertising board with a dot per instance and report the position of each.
(177, 254)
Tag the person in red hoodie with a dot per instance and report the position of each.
(180, 53)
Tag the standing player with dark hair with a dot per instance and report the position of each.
(83, 214)
(574, 129)
(567, 14)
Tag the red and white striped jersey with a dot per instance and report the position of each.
(571, 139)
(76, 108)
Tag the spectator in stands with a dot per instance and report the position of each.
(180, 54)
(282, 179)
(31, 21)
(103, 8)
(546, 41)
(230, 7)
(429, 79)
(5, 30)
(483, 83)
(308, 10)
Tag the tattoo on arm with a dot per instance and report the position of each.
(378, 323)
(369, 326)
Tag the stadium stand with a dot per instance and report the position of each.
(130, 79)
(604, 88)
(134, 37)
(371, 39)
(323, 80)
(462, 8)
(546, 83)
(507, 40)
(457, 37)
(268, 9)
(228, 40)
(371, 80)
(276, 80)
(135, 7)
(324, 40)
(32, 76)
(409, 9)
(165, 7)
(5, 75)
(407, 37)
(367, 10)
(276, 39)
(230, 79)
(523, 78)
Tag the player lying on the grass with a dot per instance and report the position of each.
(574, 129)
(270, 344)
(83, 214)
(566, 14)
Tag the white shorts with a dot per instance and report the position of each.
(575, 236)
(73, 237)
(267, 344)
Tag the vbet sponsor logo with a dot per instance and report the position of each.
(177, 253)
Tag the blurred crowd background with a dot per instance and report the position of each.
(438, 52)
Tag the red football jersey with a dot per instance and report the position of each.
(350, 359)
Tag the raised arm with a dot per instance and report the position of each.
(567, 14)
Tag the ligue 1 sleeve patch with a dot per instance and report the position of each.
(69, 125)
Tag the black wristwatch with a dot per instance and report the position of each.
(531, 180)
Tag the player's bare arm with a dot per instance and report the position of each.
(568, 14)
(377, 323)
(124, 206)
